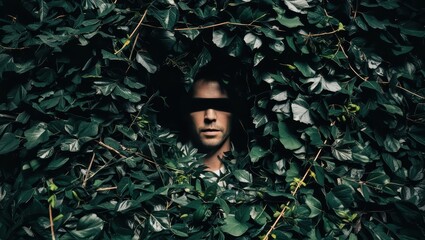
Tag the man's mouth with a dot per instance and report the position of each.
(210, 130)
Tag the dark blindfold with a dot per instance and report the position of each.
(201, 104)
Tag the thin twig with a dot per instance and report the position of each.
(414, 94)
(349, 64)
(216, 25)
(138, 24)
(110, 148)
(132, 33)
(321, 34)
(106, 189)
(132, 50)
(282, 213)
(11, 48)
(7, 116)
(52, 230)
(88, 171)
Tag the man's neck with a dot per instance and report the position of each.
(213, 159)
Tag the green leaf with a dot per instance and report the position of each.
(126, 93)
(341, 151)
(44, 8)
(87, 129)
(233, 227)
(257, 153)
(373, 22)
(319, 83)
(314, 205)
(288, 139)
(289, 22)
(305, 69)
(243, 176)
(128, 132)
(146, 61)
(36, 135)
(70, 144)
(45, 153)
(378, 177)
(418, 134)
(220, 38)
(88, 227)
(8, 143)
(167, 18)
(300, 111)
(393, 163)
(277, 46)
(297, 5)
(253, 41)
(57, 163)
(191, 34)
(339, 197)
(391, 144)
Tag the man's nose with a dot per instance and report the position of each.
(210, 115)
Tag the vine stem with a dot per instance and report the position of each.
(282, 213)
(217, 25)
(205, 27)
(106, 189)
(132, 33)
(88, 171)
(322, 34)
(52, 230)
(349, 64)
(110, 148)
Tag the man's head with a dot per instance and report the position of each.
(210, 114)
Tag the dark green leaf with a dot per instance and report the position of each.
(288, 139)
(243, 176)
(88, 227)
(8, 143)
(36, 135)
(233, 227)
(146, 61)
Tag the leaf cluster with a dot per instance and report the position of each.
(335, 128)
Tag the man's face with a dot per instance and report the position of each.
(211, 120)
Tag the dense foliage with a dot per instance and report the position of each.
(335, 130)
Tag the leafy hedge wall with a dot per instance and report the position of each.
(335, 131)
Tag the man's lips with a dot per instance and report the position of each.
(209, 130)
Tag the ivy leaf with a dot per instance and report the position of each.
(340, 151)
(44, 8)
(191, 34)
(314, 205)
(167, 18)
(70, 144)
(36, 135)
(45, 153)
(257, 153)
(220, 38)
(287, 137)
(418, 134)
(297, 5)
(233, 227)
(305, 69)
(57, 163)
(300, 111)
(157, 224)
(243, 176)
(88, 227)
(8, 143)
(340, 197)
(146, 61)
(253, 41)
(319, 83)
(391, 144)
